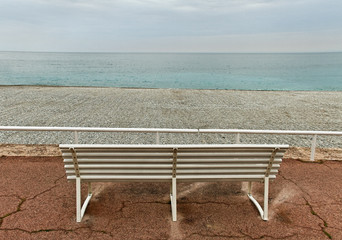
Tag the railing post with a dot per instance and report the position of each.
(313, 147)
(237, 138)
(76, 137)
(157, 138)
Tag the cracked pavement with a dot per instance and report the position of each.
(37, 202)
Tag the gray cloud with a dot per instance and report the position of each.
(141, 25)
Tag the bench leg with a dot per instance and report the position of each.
(80, 209)
(173, 197)
(249, 188)
(263, 212)
(78, 200)
(266, 187)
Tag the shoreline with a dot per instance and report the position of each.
(142, 88)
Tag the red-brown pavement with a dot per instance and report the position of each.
(37, 202)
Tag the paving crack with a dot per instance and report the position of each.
(101, 231)
(324, 164)
(55, 230)
(290, 180)
(60, 178)
(47, 190)
(41, 193)
(268, 236)
(213, 236)
(36, 231)
(213, 202)
(123, 205)
(147, 202)
(22, 200)
(192, 202)
(317, 231)
(317, 204)
(325, 224)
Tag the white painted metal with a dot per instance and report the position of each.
(226, 177)
(261, 212)
(127, 166)
(168, 146)
(313, 147)
(167, 130)
(108, 160)
(78, 199)
(96, 129)
(167, 171)
(157, 138)
(174, 199)
(80, 209)
(100, 178)
(277, 132)
(172, 163)
(266, 188)
(85, 204)
(237, 141)
(120, 171)
(76, 137)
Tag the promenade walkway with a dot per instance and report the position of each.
(37, 202)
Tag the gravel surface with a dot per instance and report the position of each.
(168, 108)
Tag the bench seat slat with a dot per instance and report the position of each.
(168, 177)
(179, 166)
(235, 165)
(232, 161)
(217, 176)
(169, 155)
(119, 149)
(121, 154)
(224, 155)
(169, 166)
(95, 160)
(167, 146)
(114, 171)
(181, 171)
(179, 161)
(123, 177)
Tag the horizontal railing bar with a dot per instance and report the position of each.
(97, 129)
(168, 130)
(284, 132)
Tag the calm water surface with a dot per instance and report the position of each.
(300, 71)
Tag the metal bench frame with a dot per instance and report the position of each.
(81, 208)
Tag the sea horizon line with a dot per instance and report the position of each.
(166, 52)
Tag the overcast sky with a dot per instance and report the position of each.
(171, 25)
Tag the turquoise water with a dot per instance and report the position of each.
(299, 71)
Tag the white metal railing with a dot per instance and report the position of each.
(75, 130)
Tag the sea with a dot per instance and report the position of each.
(256, 71)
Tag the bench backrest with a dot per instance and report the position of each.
(234, 162)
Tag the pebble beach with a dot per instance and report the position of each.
(168, 108)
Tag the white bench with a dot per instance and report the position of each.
(171, 163)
